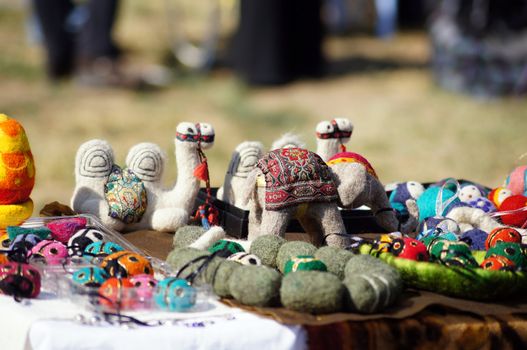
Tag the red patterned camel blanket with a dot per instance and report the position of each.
(294, 176)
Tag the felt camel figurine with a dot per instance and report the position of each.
(243, 161)
(167, 209)
(291, 182)
(359, 185)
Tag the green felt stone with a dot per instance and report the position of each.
(315, 292)
(292, 249)
(179, 257)
(304, 263)
(255, 285)
(221, 279)
(266, 248)
(334, 258)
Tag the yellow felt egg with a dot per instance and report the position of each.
(17, 168)
(15, 214)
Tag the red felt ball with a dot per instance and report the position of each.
(117, 293)
(518, 218)
(497, 263)
(502, 234)
(410, 248)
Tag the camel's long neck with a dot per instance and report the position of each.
(327, 148)
(187, 185)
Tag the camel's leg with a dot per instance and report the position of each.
(274, 222)
(332, 226)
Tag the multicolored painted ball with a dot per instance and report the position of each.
(245, 258)
(63, 229)
(482, 203)
(126, 196)
(20, 280)
(384, 243)
(502, 234)
(102, 249)
(225, 248)
(469, 192)
(82, 238)
(518, 204)
(90, 276)
(175, 294)
(498, 263)
(50, 252)
(517, 180)
(117, 293)
(409, 248)
(126, 264)
(145, 286)
(304, 263)
(475, 239)
(498, 195)
(512, 251)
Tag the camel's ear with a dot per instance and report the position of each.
(249, 190)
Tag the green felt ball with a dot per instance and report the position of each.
(366, 294)
(510, 250)
(225, 248)
(335, 259)
(180, 257)
(312, 291)
(359, 264)
(255, 285)
(304, 263)
(266, 248)
(186, 235)
(292, 249)
(221, 279)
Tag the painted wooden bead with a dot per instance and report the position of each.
(51, 252)
(175, 294)
(126, 264)
(117, 293)
(90, 276)
(144, 285)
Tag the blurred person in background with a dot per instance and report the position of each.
(77, 36)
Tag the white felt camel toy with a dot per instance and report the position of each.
(168, 209)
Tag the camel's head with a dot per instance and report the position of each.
(194, 134)
(147, 161)
(338, 128)
(94, 160)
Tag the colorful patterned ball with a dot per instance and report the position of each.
(51, 252)
(126, 195)
(225, 248)
(145, 286)
(63, 229)
(102, 249)
(512, 251)
(384, 243)
(518, 204)
(475, 239)
(20, 280)
(502, 234)
(117, 293)
(90, 276)
(245, 258)
(498, 195)
(469, 193)
(498, 263)
(175, 294)
(126, 264)
(82, 238)
(517, 180)
(482, 203)
(409, 248)
(304, 263)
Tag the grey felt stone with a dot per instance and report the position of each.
(335, 259)
(315, 292)
(266, 248)
(186, 235)
(255, 285)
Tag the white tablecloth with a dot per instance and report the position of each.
(43, 324)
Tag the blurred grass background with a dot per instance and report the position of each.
(405, 125)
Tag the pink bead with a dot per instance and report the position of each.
(144, 286)
(51, 251)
